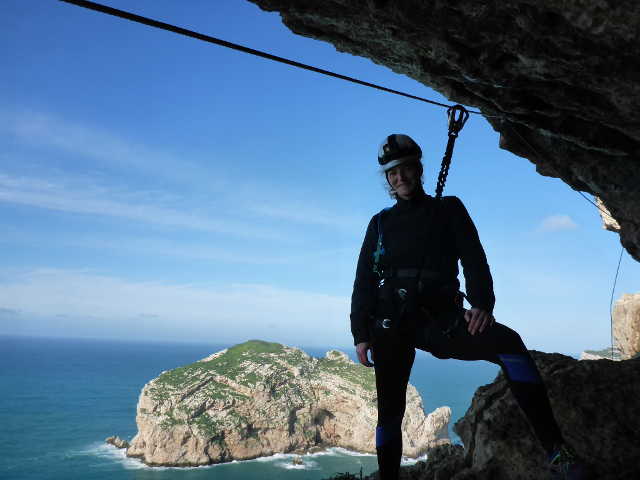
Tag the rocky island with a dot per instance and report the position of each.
(257, 399)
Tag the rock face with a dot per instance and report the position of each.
(559, 80)
(594, 403)
(626, 325)
(258, 398)
(608, 222)
(117, 442)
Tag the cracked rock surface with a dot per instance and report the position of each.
(559, 79)
(592, 402)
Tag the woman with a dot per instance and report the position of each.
(406, 296)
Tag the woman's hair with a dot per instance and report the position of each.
(392, 193)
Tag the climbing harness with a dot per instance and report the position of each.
(398, 289)
(404, 292)
(458, 116)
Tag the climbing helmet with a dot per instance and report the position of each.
(396, 149)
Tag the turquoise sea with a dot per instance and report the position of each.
(60, 398)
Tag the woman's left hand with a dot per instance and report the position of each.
(478, 320)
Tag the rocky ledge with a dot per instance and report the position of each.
(594, 402)
(117, 442)
(257, 399)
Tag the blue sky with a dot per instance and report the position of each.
(153, 186)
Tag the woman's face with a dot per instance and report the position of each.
(404, 179)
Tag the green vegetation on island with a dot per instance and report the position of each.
(352, 372)
(233, 375)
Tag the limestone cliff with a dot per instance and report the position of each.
(258, 398)
(626, 331)
(626, 325)
(608, 222)
(558, 79)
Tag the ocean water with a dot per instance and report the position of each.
(60, 398)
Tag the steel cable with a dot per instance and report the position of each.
(234, 46)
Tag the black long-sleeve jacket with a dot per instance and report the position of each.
(416, 236)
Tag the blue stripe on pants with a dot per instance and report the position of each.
(389, 434)
(520, 368)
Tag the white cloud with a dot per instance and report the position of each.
(96, 144)
(85, 199)
(554, 223)
(46, 130)
(161, 246)
(300, 213)
(92, 304)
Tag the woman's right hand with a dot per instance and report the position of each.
(362, 349)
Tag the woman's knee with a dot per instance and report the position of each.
(509, 341)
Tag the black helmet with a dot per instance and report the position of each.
(396, 149)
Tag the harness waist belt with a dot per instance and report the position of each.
(410, 273)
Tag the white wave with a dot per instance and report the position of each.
(286, 461)
(111, 453)
(271, 458)
(350, 453)
(281, 460)
(306, 464)
(412, 461)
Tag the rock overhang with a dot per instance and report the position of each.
(559, 80)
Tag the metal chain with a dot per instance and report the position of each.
(442, 176)
(458, 116)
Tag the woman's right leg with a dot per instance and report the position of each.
(503, 346)
(393, 361)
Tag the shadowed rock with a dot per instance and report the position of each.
(593, 404)
(596, 408)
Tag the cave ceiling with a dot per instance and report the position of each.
(558, 79)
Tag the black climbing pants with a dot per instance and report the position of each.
(393, 357)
